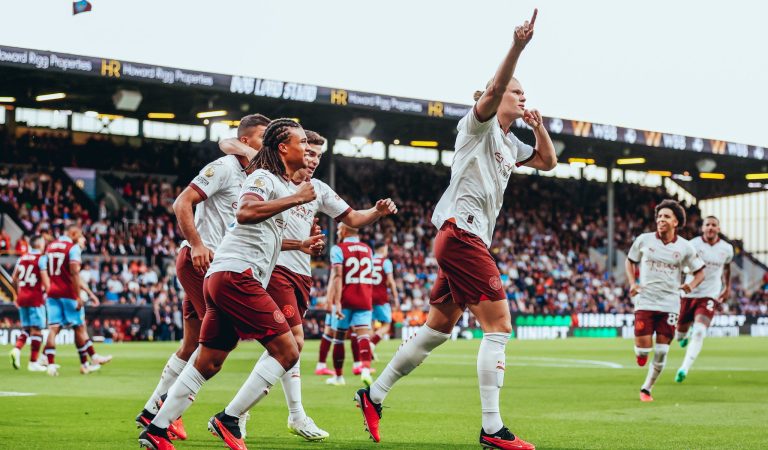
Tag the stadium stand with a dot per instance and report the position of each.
(545, 243)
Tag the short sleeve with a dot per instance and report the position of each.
(259, 184)
(729, 257)
(472, 126)
(337, 256)
(636, 251)
(692, 259)
(387, 266)
(329, 201)
(525, 152)
(211, 179)
(42, 262)
(74, 254)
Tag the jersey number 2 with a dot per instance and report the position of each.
(358, 271)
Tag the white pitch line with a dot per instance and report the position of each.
(15, 394)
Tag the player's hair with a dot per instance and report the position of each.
(314, 138)
(72, 227)
(37, 241)
(268, 157)
(348, 229)
(479, 94)
(677, 210)
(713, 217)
(379, 244)
(250, 121)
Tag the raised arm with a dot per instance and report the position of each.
(489, 102)
(232, 146)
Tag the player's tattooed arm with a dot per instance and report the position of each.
(630, 267)
(363, 217)
(489, 102)
(723, 297)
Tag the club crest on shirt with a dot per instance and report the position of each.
(676, 256)
(209, 172)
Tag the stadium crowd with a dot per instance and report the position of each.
(541, 244)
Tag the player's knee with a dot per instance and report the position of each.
(299, 342)
(208, 368)
(185, 351)
(288, 357)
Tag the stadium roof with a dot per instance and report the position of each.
(90, 84)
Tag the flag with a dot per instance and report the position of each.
(81, 7)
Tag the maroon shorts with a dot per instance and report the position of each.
(238, 307)
(291, 293)
(648, 322)
(692, 307)
(191, 280)
(467, 273)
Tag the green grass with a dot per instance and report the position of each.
(552, 397)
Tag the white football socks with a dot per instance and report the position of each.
(264, 375)
(410, 354)
(491, 363)
(639, 351)
(180, 396)
(291, 381)
(171, 372)
(655, 369)
(698, 332)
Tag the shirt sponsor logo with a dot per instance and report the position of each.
(201, 180)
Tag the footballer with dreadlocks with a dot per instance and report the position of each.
(237, 304)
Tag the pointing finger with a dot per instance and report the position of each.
(533, 18)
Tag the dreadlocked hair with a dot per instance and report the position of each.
(268, 157)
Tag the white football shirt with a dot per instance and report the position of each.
(219, 184)
(715, 258)
(485, 158)
(254, 246)
(661, 271)
(299, 225)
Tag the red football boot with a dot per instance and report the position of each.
(371, 412)
(227, 429)
(155, 439)
(505, 440)
(645, 395)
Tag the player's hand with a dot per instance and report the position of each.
(201, 258)
(339, 314)
(79, 304)
(94, 300)
(634, 289)
(314, 245)
(685, 287)
(524, 33)
(532, 118)
(305, 193)
(723, 297)
(316, 229)
(232, 146)
(386, 207)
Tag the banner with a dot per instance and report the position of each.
(244, 85)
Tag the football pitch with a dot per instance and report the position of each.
(565, 394)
